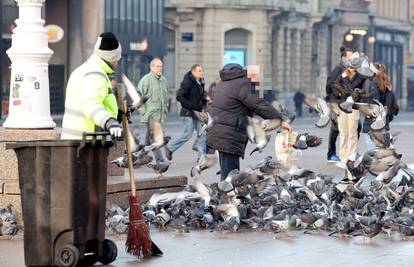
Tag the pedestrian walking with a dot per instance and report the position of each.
(233, 102)
(90, 103)
(212, 89)
(154, 86)
(298, 99)
(192, 97)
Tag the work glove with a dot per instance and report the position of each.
(128, 114)
(114, 128)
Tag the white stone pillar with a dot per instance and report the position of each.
(29, 84)
(287, 59)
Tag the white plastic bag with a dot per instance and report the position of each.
(284, 150)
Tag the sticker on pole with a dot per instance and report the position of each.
(54, 33)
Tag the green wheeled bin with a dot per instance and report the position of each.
(63, 193)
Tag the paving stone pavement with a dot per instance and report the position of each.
(249, 248)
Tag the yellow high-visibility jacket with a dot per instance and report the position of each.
(90, 102)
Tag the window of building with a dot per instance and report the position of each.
(236, 47)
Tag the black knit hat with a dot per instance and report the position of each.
(107, 47)
(109, 41)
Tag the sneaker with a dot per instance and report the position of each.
(333, 158)
(168, 153)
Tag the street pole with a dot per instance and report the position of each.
(1, 58)
(29, 105)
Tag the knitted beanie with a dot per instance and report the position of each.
(107, 47)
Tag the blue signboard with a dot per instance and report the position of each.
(234, 56)
(186, 36)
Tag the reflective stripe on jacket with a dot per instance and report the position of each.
(90, 102)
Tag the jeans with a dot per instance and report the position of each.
(190, 124)
(228, 162)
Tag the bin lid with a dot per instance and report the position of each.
(97, 138)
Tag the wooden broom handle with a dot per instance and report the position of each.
(123, 103)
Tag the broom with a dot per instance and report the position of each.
(138, 241)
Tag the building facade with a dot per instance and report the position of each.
(139, 26)
(137, 23)
(295, 43)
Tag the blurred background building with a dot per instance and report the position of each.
(294, 42)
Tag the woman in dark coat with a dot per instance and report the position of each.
(380, 89)
(233, 102)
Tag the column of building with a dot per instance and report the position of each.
(306, 61)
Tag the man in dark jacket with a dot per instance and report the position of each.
(234, 101)
(192, 97)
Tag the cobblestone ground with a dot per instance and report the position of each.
(204, 248)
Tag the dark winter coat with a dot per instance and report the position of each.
(332, 77)
(349, 85)
(387, 99)
(233, 102)
(191, 95)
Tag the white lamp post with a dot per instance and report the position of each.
(29, 105)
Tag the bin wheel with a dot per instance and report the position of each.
(109, 252)
(88, 261)
(68, 256)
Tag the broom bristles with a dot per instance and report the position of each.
(138, 241)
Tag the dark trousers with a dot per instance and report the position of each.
(228, 162)
(298, 110)
(333, 135)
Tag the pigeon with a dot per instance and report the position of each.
(322, 108)
(157, 136)
(381, 138)
(300, 142)
(160, 167)
(256, 135)
(137, 100)
(286, 225)
(268, 166)
(230, 215)
(371, 226)
(379, 122)
(117, 220)
(287, 116)
(206, 120)
(369, 110)
(405, 225)
(204, 162)
(347, 105)
(270, 125)
(163, 218)
(8, 222)
(166, 198)
(139, 159)
(203, 190)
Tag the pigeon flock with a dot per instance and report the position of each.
(375, 195)
(269, 197)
